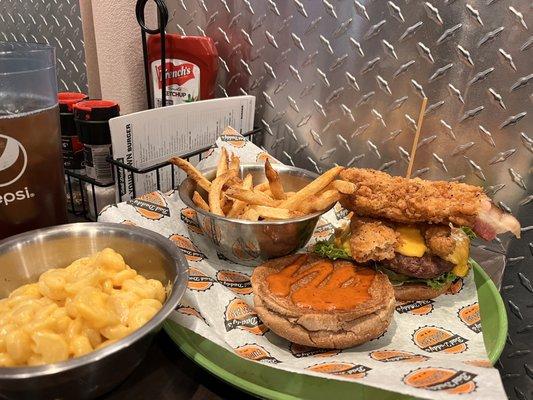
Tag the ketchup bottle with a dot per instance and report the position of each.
(190, 70)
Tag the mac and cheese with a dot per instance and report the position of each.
(71, 311)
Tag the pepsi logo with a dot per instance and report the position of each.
(13, 160)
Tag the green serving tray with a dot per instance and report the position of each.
(271, 383)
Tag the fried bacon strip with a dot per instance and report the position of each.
(380, 195)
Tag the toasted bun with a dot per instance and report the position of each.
(337, 329)
(418, 291)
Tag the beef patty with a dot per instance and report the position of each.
(425, 267)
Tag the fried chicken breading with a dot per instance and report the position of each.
(372, 240)
(398, 199)
(439, 240)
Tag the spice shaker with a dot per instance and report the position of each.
(70, 143)
(92, 124)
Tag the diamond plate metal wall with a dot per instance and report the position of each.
(56, 23)
(341, 81)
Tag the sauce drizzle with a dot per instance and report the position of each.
(330, 288)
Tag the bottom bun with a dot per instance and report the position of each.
(418, 291)
(359, 331)
(321, 326)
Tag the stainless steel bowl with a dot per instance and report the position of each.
(252, 242)
(24, 257)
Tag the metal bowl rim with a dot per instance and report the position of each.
(189, 203)
(178, 288)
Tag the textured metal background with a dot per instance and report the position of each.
(55, 22)
(342, 81)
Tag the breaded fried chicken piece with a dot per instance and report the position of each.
(381, 195)
(442, 240)
(371, 240)
(439, 240)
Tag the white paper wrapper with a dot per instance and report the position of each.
(437, 345)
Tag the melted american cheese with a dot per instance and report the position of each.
(411, 242)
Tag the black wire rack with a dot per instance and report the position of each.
(87, 187)
(82, 191)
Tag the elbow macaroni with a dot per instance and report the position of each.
(72, 311)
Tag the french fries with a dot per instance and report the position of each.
(192, 172)
(294, 202)
(222, 166)
(251, 196)
(199, 201)
(263, 187)
(321, 201)
(231, 196)
(251, 215)
(274, 182)
(215, 203)
(235, 164)
(343, 187)
(238, 205)
(274, 212)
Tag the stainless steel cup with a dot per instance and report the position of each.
(24, 257)
(250, 242)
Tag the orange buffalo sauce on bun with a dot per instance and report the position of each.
(328, 288)
(321, 303)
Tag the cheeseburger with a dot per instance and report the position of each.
(322, 303)
(416, 231)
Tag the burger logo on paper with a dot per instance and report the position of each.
(263, 156)
(418, 307)
(189, 217)
(199, 281)
(190, 251)
(482, 363)
(239, 315)
(441, 379)
(151, 206)
(340, 211)
(13, 160)
(300, 351)
(323, 230)
(387, 356)
(255, 352)
(222, 257)
(344, 369)
(233, 137)
(455, 287)
(186, 310)
(245, 251)
(212, 231)
(237, 282)
(434, 339)
(469, 315)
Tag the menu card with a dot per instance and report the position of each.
(146, 138)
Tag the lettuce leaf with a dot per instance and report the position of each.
(329, 250)
(435, 283)
(469, 232)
